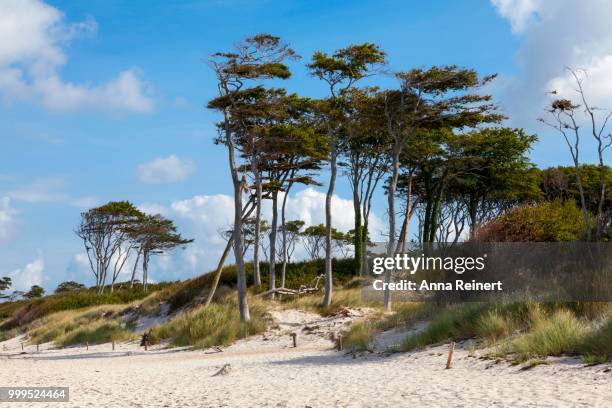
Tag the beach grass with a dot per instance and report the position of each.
(216, 325)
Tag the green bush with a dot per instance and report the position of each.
(549, 221)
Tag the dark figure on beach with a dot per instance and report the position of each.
(145, 340)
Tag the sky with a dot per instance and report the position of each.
(105, 100)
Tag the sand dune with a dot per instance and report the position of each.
(266, 371)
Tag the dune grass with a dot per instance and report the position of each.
(528, 331)
(216, 325)
(23, 312)
(99, 324)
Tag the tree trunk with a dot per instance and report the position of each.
(256, 245)
(273, 228)
(145, 270)
(327, 298)
(602, 195)
(134, 269)
(391, 201)
(357, 239)
(585, 211)
(215, 282)
(284, 236)
(243, 305)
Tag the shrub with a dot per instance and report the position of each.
(549, 221)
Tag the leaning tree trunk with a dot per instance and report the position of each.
(217, 276)
(327, 299)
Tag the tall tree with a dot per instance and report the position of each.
(154, 235)
(104, 233)
(436, 98)
(365, 156)
(340, 71)
(254, 59)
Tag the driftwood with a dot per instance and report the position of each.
(303, 289)
(225, 370)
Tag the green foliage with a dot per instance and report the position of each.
(360, 336)
(216, 325)
(69, 286)
(5, 283)
(34, 292)
(298, 273)
(25, 311)
(548, 221)
(98, 324)
(102, 332)
(559, 333)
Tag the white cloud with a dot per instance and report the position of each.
(203, 216)
(7, 218)
(31, 54)
(564, 34)
(165, 170)
(31, 274)
(518, 12)
(40, 191)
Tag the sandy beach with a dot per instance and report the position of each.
(266, 371)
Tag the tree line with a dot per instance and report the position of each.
(434, 143)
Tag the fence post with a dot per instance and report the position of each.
(449, 362)
(294, 337)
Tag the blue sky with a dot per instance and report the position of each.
(105, 100)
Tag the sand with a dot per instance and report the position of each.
(266, 371)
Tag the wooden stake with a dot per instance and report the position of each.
(294, 337)
(21, 346)
(339, 342)
(353, 351)
(87, 345)
(449, 362)
(113, 345)
(37, 348)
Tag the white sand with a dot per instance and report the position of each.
(265, 371)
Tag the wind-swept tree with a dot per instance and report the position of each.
(340, 71)
(104, 233)
(254, 59)
(432, 99)
(154, 235)
(365, 157)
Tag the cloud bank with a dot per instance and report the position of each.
(34, 35)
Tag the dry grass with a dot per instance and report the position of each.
(95, 325)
